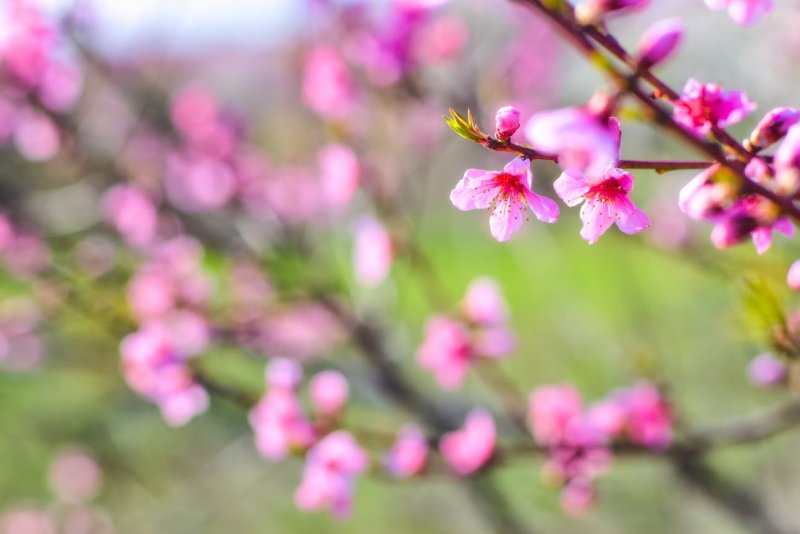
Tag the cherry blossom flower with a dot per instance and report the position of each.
(703, 106)
(328, 391)
(373, 252)
(332, 466)
(409, 454)
(659, 42)
(506, 193)
(743, 12)
(773, 127)
(766, 370)
(327, 84)
(552, 411)
(468, 449)
(506, 122)
(605, 202)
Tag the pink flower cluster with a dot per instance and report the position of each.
(409, 455)
(155, 367)
(579, 441)
(715, 195)
(332, 466)
(453, 345)
(34, 64)
(468, 449)
(23, 254)
(278, 420)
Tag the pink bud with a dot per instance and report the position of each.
(773, 127)
(659, 42)
(577, 496)
(328, 391)
(766, 370)
(283, 373)
(409, 454)
(793, 276)
(506, 122)
(468, 449)
(593, 11)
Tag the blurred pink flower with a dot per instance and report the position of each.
(577, 496)
(583, 141)
(468, 449)
(36, 136)
(649, 421)
(659, 42)
(446, 351)
(327, 84)
(197, 183)
(132, 212)
(484, 304)
(284, 373)
(773, 127)
(27, 520)
(742, 12)
(373, 252)
(328, 391)
(766, 371)
(75, 477)
(303, 331)
(409, 454)
(506, 194)
(331, 468)
(279, 424)
(552, 410)
(605, 202)
(340, 174)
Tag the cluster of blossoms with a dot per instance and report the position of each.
(166, 297)
(586, 143)
(454, 344)
(579, 442)
(35, 66)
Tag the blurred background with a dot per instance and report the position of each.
(81, 452)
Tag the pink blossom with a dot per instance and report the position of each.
(593, 11)
(649, 421)
(793, 276)
(750, 215)
(154, 368)
(373, 252)
(291, 195)
(132, 212)
(468, 449)
(446, 351)
(26, 255)
(506, 122)
(787, 162)
(284, 373)
(506, 194)
(773, 127)
(552, 410)
(279, 424)
(196, 183)
(60, 86)
(409, 454)
(442, 39)
(702, 107)
(328, 391)
(766, 370)
(483, 303)
(659, 42)
(27, 520)
(36, 136)
(583, 141)
(332, 466)
(742, 12)
(578, 496)
(327, 85)
(340, 174)
(606, 202)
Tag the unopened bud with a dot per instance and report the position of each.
(659, 42)
(593, 11)
(506, 122)
(773, 127)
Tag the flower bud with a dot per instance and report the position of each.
(773, 127)
(329, 392)
(793, 276)
(506, 122)
(593, 11)
(659, 42)
(766, 370)
(787, 162)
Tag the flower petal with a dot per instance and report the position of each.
(545, 209)
(596, 220)
(630, 219)
(571, 186)
(507, 217)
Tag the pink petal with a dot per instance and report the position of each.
(474, 191)
(571, 186)
(630, 219)
(507, 217)
(596, 219)
(762, 239)
(545, 209)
